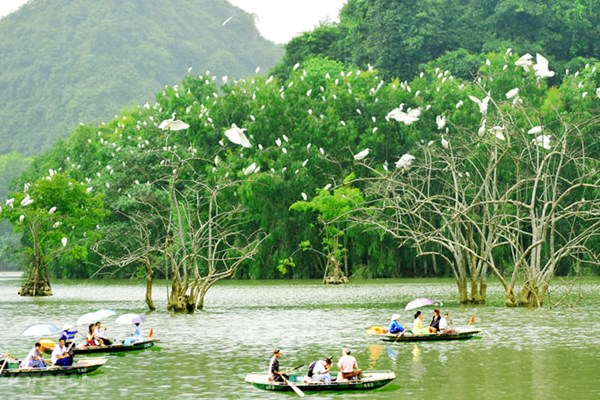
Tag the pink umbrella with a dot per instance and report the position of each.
(416, 303)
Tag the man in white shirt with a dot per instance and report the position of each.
(60, 354)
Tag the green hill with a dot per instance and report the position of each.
(64, 62)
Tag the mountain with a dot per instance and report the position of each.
(68, 61)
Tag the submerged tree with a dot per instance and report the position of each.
(50, 212)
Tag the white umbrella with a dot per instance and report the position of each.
(40, 330)
(416, 303)
(89, 318)
(105, 313)
(130, 319)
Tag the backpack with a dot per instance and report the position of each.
(311, 367)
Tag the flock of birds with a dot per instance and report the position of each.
(237, 135)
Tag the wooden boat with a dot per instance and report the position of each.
(115, 348)
(81, 366)
(370, 380)
(455, 334)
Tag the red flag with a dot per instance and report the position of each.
(150, 333)
(472, 321)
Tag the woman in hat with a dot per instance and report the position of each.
(395, 326)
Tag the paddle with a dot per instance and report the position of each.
(293, 386)
(8, 355)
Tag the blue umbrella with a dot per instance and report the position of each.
(40, 330)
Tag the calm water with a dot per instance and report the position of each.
(550, 353)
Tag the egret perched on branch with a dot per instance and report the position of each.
(405, 161)
(440, 120)
(26, 201)
(64, 241)
(361, 155)
(445, 143)
(236, 135)
(250, 169)
(535, 130)
(543, 141)
(524, 61)
(512, 93)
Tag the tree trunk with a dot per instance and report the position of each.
(463, 296)
(149, 278)
(37, 283)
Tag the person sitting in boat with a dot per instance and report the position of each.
(69, 332)
(90, 338)
(418, 324)
(136, 335)
(434, 326)
(348, 365)
(35, 358)
(394, 326)
(100, 335)
(274, 374)
(444, 325)
(60, 355)
(319, 371)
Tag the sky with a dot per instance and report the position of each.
(277, 20)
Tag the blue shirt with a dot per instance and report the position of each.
(395, 327)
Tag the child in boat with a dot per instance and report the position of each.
(394, 326)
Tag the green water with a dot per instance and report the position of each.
(549, 353)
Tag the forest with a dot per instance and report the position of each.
(337, 167)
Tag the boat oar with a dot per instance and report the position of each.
(293, 369)
(7, 355)
(294, 387)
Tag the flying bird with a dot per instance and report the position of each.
(440, 120)
(524, 61)
(409, 117)
(361, 155)
(237, 136)
(541, 67)
(173, 124)
(483, 104)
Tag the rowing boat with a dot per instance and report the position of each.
(81, 366)
(370, 380)
(455, 334)
(115, 348)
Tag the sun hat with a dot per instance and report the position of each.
(395, 317)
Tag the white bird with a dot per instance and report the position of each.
(405, 161)
(26, 201)
(512, 93)
(52, 210)
(278, 142)
(598, 92)
(88, 190)
(481, 130)
(21, 218)
(524, 61)
(64, 241)
(459, 104)
(445, 143)
(543, 141)
(304, 196)
(483, 104)
(236, 135)
(250, 169)
(407, 118)
(57, 224)
(440, 120)
(541, 67)
(497, 131)
(226, 21)
(327, 187)
(361, 155)
(173, 124)
(535, 130)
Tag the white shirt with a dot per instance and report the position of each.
(443, 324)
(57, 352)
(319, 368)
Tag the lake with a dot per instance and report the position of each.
(547, 353)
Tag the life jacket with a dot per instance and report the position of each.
(311, 368)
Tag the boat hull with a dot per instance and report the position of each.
(115, 348)
(409, 337)
(83, 366)
(371, 380)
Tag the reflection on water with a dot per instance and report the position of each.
(520, 354)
